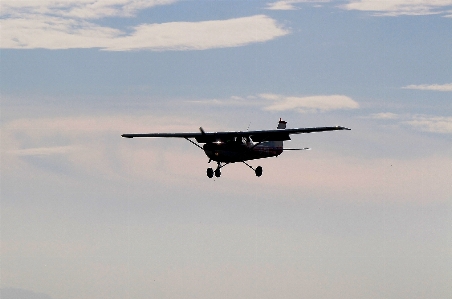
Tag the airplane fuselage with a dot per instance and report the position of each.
(238, 152)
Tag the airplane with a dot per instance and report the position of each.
(232, 147)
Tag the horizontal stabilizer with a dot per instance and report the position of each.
(297, 149)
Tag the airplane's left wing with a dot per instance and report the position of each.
(167, 135)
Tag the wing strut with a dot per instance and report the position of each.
(194, 143)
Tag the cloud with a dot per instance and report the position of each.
(43, 151)
(93, 145)
(201, 35)
(59, 33)
(82, 9)
(15, 293)
(310, 103)
(400, 7)
(425, 123)
(233, 101)
(384, 115)
(432, 124)
(289, 4)
(71, 24)
(275, 102)
(90, 148)
(434, 87)
(379, 7)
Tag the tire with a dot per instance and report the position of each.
(258, 171)
(210, 172)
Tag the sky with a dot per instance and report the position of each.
(365, 213)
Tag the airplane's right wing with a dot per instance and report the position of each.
(284, 134)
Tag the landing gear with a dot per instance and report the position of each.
(217, 172)
(258, 171)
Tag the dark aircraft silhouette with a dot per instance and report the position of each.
(231, 147)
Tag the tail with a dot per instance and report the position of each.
(281, 125)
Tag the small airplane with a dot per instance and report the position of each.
(231, 147)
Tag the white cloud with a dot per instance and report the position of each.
(434, 87)
(84, 9)
(201, 35)
(433, 124)
(309, 103)
(289, 4)
(70, 24)
(54, 33)
(400, 7)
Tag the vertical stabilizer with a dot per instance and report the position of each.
(281, 124)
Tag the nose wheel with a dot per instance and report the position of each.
(258, 171)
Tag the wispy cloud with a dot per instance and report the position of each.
(71, 24)
(310, 103)
(433, 124)
(425, 123)
(434, 87)
(378, 7)
(276, 102)
(289, 4)
(384, 115)
(81, 9)
(233, 101)
(43, 151)
(400, 7)
(85, 144)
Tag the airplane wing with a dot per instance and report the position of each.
(256, 136)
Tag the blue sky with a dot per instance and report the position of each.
(86, 214)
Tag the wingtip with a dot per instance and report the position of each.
(126, 136)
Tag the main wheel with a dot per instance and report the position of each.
(217, 172)
(210, 172)
(258, 171)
